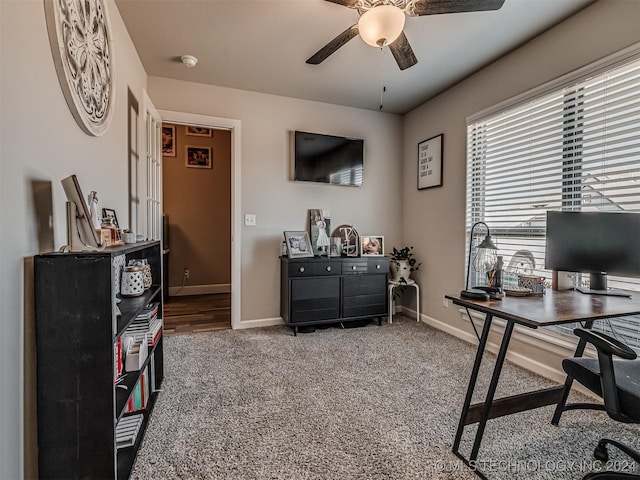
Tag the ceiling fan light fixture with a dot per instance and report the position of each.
(381, 25)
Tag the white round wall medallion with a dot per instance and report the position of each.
(81, 44)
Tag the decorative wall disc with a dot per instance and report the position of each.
(81, 45)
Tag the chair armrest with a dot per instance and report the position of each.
(606, 344)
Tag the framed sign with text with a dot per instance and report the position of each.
(430, 162)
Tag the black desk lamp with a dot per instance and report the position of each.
(486, 244)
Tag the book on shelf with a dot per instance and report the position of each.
(155, 330)
(149, 311)
(127, 430)
(140, 394)
(152, 376)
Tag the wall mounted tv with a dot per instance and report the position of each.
(327, 159)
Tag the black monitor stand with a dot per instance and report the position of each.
(598, 283)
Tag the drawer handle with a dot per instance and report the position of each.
(301, 269)
(378, 267)
(328, 268)
(353, 267)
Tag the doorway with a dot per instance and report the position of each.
(200, 193)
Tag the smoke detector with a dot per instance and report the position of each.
(189, 61)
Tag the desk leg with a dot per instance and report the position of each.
(569, 380)
(472, 381)
(508, 330)
(417, 301)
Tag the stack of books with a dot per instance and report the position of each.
(142, 323)
(155, 329)
(127, 430)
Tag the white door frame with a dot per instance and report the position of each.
(150, 172)
(236, 225)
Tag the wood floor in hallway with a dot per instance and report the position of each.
(197, 313)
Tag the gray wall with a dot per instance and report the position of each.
(279, 203)
(41, 142)
(434, 219)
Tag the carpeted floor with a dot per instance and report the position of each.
(359, 403)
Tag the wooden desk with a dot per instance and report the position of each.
(552, 308)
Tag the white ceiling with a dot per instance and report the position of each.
(262, 45)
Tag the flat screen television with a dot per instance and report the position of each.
(597, 243)
(327, 159)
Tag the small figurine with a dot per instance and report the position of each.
(93, 210)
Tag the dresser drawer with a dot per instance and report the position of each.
(378, 265)
(315, 299)
(364, 305)
(328, 268)
(355, 266)
(364, 285)
(302, 269)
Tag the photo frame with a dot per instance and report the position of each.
(110, 213)
(199, 157)
(298, 244)
(372, 245)
(195, 131)
(319, 230)
(168, 140)
(430, 162)
(349, 239)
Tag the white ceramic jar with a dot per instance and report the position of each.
(132, 281)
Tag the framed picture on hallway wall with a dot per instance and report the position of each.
(199, 157)
(430, 162)
(168, 140)
(195, 131)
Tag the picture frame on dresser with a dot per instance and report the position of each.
(298, 244)
(372, 245)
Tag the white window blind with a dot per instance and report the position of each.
(574, 148)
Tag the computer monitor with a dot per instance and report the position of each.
(597, 243)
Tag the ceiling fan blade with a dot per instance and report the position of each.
(322, 54)
(403, 53)
(436, 7)
(346, 3)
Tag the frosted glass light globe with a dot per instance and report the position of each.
(381, 25)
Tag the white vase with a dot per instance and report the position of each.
(400, 269)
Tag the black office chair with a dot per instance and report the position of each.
(617, 382)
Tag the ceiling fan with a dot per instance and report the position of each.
(381, 24)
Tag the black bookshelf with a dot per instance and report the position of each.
(77, 330)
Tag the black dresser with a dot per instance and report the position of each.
(324, 290)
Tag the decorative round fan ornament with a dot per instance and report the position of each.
(81, 44)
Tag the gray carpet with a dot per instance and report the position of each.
(358, 403)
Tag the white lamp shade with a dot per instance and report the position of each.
(381, 25)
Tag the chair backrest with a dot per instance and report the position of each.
(619, 379)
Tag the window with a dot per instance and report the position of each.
(574, 147)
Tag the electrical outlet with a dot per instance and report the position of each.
(186, 273)
(445, 302)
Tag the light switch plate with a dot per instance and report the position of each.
(249, 220)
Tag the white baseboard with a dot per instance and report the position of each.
(199, 289)
(260, 322)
